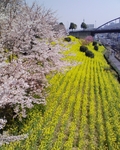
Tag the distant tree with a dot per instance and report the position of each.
(87, 40)
(75, 26)
(83, 25)
(72, 26)
(61, 23)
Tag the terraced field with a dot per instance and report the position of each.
(82, 111)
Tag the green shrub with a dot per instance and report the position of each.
(88, 53)
(68, 39)
(96, 47)
(94, 43)
(8, 112)
(83, 48)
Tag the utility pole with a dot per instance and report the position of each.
(95, 23)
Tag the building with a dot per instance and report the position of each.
(90, 26)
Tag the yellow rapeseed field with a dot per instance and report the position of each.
(83, 107)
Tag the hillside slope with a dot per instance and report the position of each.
(82, 109)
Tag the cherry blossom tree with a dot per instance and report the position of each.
(87, 40)
(27, 55)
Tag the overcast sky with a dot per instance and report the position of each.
(95, 12)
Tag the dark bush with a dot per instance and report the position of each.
(83, 48)
(94, 43)
(7, 112)
(96, 47)
(89, 54)
(68, 39)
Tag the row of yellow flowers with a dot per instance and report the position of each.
(82, 109)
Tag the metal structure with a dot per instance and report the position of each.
(100, 29)
(107, 23)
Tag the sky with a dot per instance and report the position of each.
(95, 12)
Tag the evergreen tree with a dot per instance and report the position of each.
(83, 25)
(72, 26)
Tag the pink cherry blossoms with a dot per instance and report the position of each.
(27, 55)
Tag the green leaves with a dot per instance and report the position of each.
(72, 26)
(83, 25)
